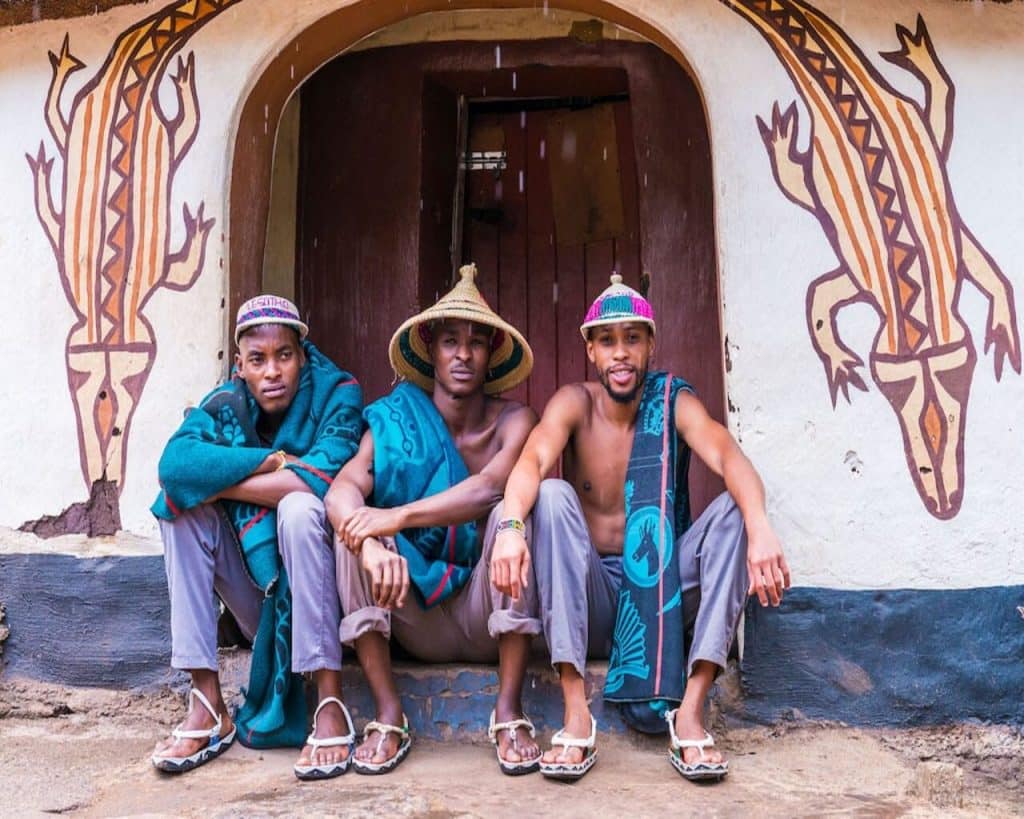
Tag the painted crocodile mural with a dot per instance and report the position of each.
(874, 175)
(119, 151)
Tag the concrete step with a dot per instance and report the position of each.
(454, 701)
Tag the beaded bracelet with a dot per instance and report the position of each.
(512, 523)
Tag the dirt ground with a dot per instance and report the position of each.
(84, 753)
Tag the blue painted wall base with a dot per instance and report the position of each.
(899, 657)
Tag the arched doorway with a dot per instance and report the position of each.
(378, 155)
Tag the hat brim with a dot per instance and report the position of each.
(301, 327)
(619, 319)
(510, 363)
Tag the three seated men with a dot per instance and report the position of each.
(412, 540)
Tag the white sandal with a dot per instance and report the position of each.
(694, 771)
(215, 746)
(512, 726)
(373, 768)
(572, 771)
(328, 771)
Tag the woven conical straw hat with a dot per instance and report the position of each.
(511, 357)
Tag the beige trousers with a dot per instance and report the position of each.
(464, 627)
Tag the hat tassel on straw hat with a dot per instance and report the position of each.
(511, 357)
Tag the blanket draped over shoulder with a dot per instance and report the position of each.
(216, 447)
(646, 670)
(415, 457)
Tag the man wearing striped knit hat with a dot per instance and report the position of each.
(612, 564)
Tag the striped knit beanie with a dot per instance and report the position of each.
(616, 304)
(267, 309)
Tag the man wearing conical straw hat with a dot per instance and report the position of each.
(613, 562)
(416, 512)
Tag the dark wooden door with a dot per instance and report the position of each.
(374, 214)
(541, 259)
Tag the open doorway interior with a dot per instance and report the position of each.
(550, 163)
(549, 209)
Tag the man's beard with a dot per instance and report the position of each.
(624, 398)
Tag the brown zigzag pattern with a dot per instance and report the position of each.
(165, 35)
(862, 131)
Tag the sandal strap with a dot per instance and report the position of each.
(563, 741)
(512, 726)
(199, 733)
(384, 729)
(679, 744)
(699, 744)
(330, 742)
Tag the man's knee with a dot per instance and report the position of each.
(196, 526)
(724, 506)
(726, 528)
(554, 495)
(298, 510)
(556, 536)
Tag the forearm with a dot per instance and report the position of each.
(522, 488)
(265, 489)
(746, 488)
(468, 500)
(343, 498)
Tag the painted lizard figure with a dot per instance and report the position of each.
(111, 238)
(874, 175)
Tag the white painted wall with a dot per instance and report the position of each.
(841, 528)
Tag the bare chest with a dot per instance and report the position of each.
(597, 466)
(478, 447)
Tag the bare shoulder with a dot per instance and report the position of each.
(689, 405)
(695, 424)
(570, 406)
(504, 411)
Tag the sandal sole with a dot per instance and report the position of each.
(559, 773)
(320, 772)
(518, 770)
(369, 769)
(190, 763)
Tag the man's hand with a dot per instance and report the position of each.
(766, 565)
(510, 563)
(389, 574)
(368, 521)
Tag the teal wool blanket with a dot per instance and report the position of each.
(216, 447)
(647, 669)
(415, 457)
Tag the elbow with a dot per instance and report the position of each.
(490, 494)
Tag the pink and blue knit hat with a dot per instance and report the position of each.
(618, 303)
(267, 309)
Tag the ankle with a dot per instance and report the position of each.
(390, 712)
(577, 713)
(690, 719)
(328, 684)
(506, 707)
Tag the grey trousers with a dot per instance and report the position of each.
(202, 558)
(576, 590)
(464, 627)
(306, 542)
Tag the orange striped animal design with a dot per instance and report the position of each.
(874, 175)
(119, 151)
